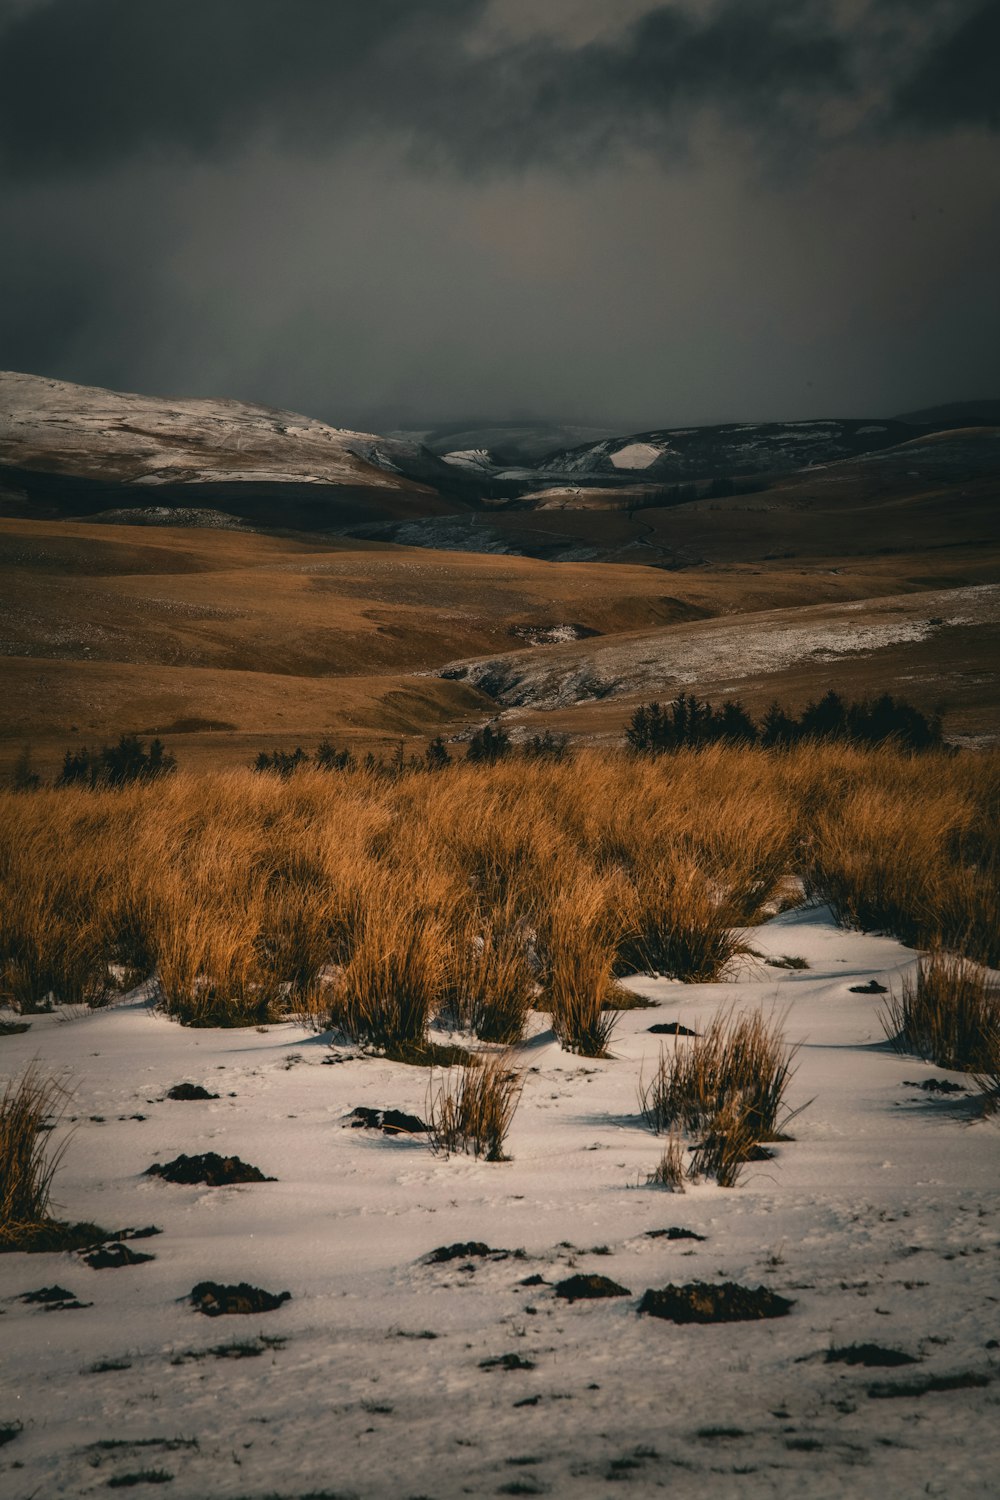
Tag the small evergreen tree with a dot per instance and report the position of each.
(825, 720)
(777, 728)
(327, 758)
(24, 777)
(547, 746)
(437, 757)
(488, 745)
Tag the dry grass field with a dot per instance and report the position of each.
(386, 901)
(223, 641)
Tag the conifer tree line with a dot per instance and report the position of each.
(689, 722)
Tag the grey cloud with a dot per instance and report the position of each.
(87, 83)
(351, 208)
(957, 83)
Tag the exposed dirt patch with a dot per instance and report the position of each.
(238, 1349)
(431, 1055)
(9, 1431)
(54, 1235)
(969, 1380)
(675, 1232)
(936, 1086)
(724, 1302)
(506, 1362)
(215, 1300)
(468, 1250)
(14, 1028)
(389, 1121)
(671, 1028)
(114, 1256)
(209, 1168)
(582, 1288)
(53, 1299)
(871, 1356)
(186, 1091)
(871, 988)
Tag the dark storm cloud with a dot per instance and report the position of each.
(642, 211)
(87, 83)
(958, 82)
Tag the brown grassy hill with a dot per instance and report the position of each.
(225, 641)
(77, 450)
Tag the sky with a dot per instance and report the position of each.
(394, 213)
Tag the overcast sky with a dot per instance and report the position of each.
(382, 212)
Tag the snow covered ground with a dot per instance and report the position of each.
(880, 1220)
(720, 652)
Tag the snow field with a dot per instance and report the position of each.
(880, 1220)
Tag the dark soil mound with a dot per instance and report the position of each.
(673, 1233)
(936, 1086)
(214, 1300)
(506, 1362)
(390, 1121)
(187, 1091)
(970, 1380)
(872, 1356)
(671, 1028)
(463, 1250)
(54, 1234)
(210, 1168)
(53, 1298)
(871, 988)
(113, 1256)
(725, 1302)
(427, 1054)
(589, 1288)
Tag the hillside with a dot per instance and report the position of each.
(78, 450)
(139, 591)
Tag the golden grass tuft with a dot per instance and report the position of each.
(392, 898)
(949, 1014)
(492, 978)
(27, 1159)
(472, 1109)
(580, 937)
(395, 978)
(728, 1086)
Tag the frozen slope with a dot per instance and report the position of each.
(880, 1219)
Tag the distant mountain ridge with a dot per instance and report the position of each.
(71, 450)
(955, 414)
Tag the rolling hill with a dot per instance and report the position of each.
(194, 570)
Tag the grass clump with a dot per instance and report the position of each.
(583, 931)
(669, 1171)
(472, 1110)
(678, 924)
(492, 981)
(27, 1160)
(727, 1086)
(948, 1014)
(386, 898)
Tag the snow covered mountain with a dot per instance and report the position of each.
(672, 455)
(86, 449)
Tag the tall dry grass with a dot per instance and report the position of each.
(580, 937)
(27, 1159)
(727, 1087)
(390, 899)
(739, 1063)
(472, 1109)
(948, 1014)
(492, 975)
